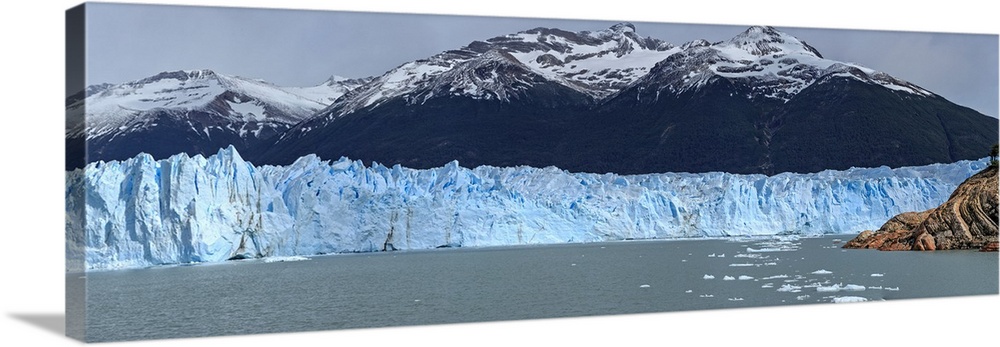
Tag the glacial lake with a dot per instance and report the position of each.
(506, 283)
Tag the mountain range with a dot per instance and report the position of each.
(604, 101)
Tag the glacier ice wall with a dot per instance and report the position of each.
(141, 212)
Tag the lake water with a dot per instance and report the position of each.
(466, 285)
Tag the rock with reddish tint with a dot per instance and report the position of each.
(989, 247)
(968, 220)
(893, 235)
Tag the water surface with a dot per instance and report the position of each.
(466, 285)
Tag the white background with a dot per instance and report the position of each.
(31, 249)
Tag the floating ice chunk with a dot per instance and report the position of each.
(848, 299)
(416, 300)
(284, 259)
(830, 289)
(878, 275)
(688, 291)
(892, 289)
(735, 299)
(770, 264)
(775, 277)
(708, 277)
(644, 286)
(684, 260)
(789, 288)
(802, 297)
(741, 265)
(729, 278)
(767, 285)
(838, 287)
(712, 255)
(752, 256)
(771, 249)
(745, 278)
(875, 287)
(853, 288)
(573, 264)
(822, 272)
(722, 255)
(707, 296)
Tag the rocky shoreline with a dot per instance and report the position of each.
(968, 220)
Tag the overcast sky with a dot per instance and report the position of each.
(303, 48)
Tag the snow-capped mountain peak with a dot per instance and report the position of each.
(695, 43)
(622, 28)
(190, 111)
(765, 40)
(335, 79)
(596, 64)
(234, 98)
(495, 74)
(773, 64)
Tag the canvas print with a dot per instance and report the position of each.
(315, 170)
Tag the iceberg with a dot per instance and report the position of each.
(182, 209)
(840, 287)
(848, 299)
(853, 288)
(790, 288)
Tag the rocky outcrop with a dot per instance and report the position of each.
(990, 247)
(968, 220)
(893, 235)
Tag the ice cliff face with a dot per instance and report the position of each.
(142, 212)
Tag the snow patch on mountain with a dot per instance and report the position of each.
(772, 63)
(132, 105)
(329, 91)
(615, 57)
(593, 63)
(182, 209)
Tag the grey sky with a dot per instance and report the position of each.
(303, 48)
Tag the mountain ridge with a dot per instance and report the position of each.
(755, 96)
(614, 101)
(190, 111)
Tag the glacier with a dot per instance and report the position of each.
(142, 212)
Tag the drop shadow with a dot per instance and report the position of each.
(52, 322)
